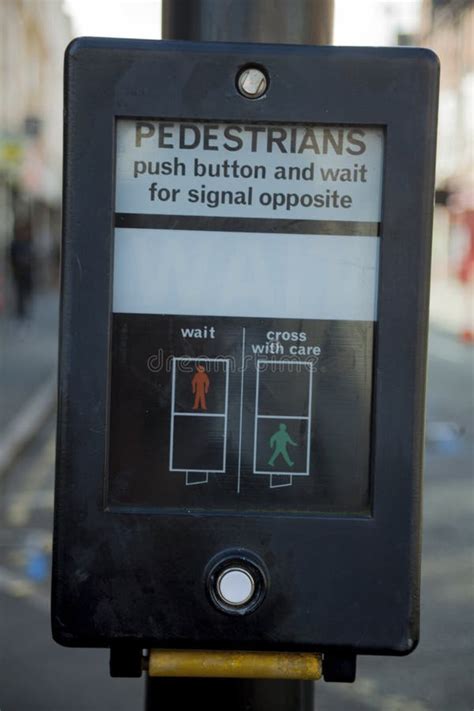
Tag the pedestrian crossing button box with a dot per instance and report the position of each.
(242, 350)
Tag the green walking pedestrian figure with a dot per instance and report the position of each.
(279, 442)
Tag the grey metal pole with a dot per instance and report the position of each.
(280, 22)
(274, 21)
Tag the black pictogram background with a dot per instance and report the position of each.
(139, 475)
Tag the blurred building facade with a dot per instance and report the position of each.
(33, 37)
(447, 27)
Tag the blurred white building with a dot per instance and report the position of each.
(447, 27)
(33, 37)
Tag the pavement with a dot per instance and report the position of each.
(452, 305)
(438, 675)
(38, 675)
(28, 360)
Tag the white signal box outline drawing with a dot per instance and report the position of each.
(198, 476)
(279, 479)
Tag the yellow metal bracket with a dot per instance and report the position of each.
(234, 665)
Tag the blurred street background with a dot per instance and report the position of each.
(35, 673)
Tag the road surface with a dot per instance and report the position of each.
(38, 675)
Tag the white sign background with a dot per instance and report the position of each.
(133, 193)
(267, 275)
(248, 274)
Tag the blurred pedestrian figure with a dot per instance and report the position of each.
(22, 264)
(55, 263)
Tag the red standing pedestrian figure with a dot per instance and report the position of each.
(200, 385)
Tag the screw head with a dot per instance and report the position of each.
(252, 83)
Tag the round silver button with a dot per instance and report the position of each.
(235, 586)
(252, 82)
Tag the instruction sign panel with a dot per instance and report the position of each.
(244, 302)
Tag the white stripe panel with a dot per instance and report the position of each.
(245, 274)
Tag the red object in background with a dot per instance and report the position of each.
(466, 265)
(461, 208)
(466, 271)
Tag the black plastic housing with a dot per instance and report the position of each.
(338, 582)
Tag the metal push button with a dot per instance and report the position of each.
(235, 586)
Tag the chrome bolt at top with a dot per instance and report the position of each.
(252, 83)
